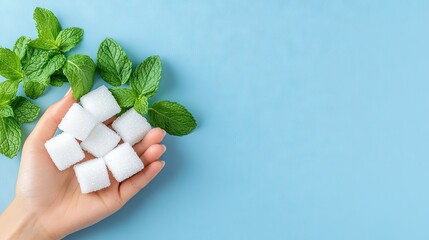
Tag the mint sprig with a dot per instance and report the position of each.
(43, 62)
(50, 34)
(174, 118)
(51, 45)
(38, 63)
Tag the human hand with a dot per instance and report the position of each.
(49, 204)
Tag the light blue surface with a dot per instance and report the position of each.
(313, 115)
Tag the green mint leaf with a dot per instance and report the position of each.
(38, 71)
(48, 26)
(44, 44)
(10, 66)
(79, 70)
(10, 137)
(69, 38)
(6, 111)
(24, 110)
(125, 97)
(21, 48)
(42, 65)
(141, 105)
(8, 91)
(114, 65)
(172, 117)
(57, 80)
(146, 76)
(33, 90)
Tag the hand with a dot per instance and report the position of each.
(49, 204)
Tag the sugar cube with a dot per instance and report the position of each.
(92, 175)
(64, 150)
(78, 122)
(123, 162)
(131, 126)
(100, 103)
(100, 141)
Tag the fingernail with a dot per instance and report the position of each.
(67, 93)
(165, 147)
(163, 163)
(165, 133)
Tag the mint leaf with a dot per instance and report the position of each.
(114, 65)
(10, 137)
(24, 110)
(79, 70)
(38, 71)
(6, 111)
(42, 65)
(48, 26)
(141, 105)
(172, 117)
(146, 76)
(125, 97)
(44, 44)
(21, 48)
(8, 91)
(58, 80)
(10, 66)
(33, 90)
(69, 38)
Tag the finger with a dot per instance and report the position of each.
(49, 121)
(153, 153)
(131, 186)
(154, 136)
(109, 121)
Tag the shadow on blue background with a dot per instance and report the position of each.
(313, 115)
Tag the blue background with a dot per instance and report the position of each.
(313, 115)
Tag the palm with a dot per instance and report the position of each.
(53, 194)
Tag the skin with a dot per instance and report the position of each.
(48, 204)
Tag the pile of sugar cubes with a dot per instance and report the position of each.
(84, 122)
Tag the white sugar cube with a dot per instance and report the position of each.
(131, 126)
(92, 175)
(78, 122)
(100, 141)
(100, 103)
(123, 162)
(64, 150)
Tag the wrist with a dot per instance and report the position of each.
(18, 223)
